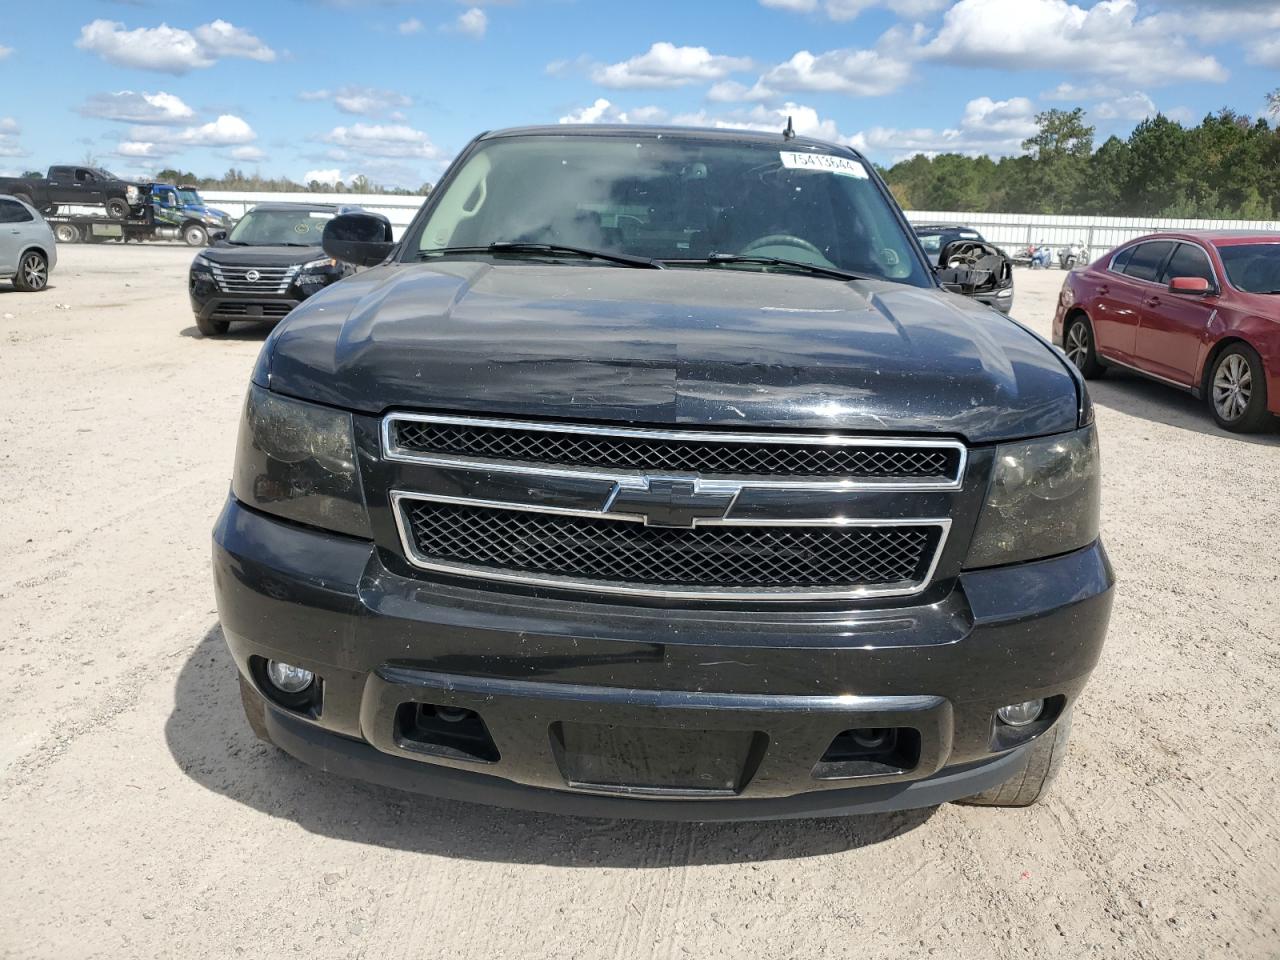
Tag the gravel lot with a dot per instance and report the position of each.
(141, 818)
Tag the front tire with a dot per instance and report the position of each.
(212, 328)
(117, 209)
(1078, 344)
(195, 235)
(1238, 390)
(1043, 763)
(33, 272)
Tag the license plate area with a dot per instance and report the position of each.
(656, 761)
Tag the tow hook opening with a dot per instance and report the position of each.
(446, 731)
(870, 752)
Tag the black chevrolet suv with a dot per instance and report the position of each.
(653, 474)
(269, 263)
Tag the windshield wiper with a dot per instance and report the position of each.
(812, 268)
(517, 247)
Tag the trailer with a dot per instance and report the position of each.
(150, 220)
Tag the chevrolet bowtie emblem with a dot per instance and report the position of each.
(670, 503)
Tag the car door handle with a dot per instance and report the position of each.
(1103, 290)
(1152, 301)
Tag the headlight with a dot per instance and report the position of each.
(320, 264)
(297, 460)
(1043, 500)
(201, 268)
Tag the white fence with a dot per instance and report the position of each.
(1010, 231)
(1014, 231)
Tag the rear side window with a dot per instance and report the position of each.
(1119, 261)
(1188, 261)
(1147, 260)
(11, 211)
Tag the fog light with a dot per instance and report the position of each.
(1020, 714)
(288, 678)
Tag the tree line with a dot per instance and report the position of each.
(1227, 167)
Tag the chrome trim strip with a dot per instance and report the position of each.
(393, 451)
(1147, 373)
(400, 497)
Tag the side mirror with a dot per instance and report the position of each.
(218, 238)
(1191, 286)
(363, 239)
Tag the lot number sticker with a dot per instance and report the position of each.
(844, 166)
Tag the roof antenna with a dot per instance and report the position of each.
(790, 132)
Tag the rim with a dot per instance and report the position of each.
(34, 272)
(194, 233)
(1078, 344)
(1232, 387)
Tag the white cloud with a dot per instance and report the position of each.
(807, 121)
(136, 148)
(796, 6)
(1107, 39)
(604, 111)
(330, 176)
(1131, 106)
(1073, 92)
(383, 140)
(5, 51)
(170, 49)
(130, 107)
(362, 101)
(1265, 53)
(849, 9)
(666, 65)
(247, 153)
(473, 23)
(987, 126)
(223, 39)
(226, 131)
(407, 27)
(859, 73)
(9, 146)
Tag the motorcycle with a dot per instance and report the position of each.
(1075, 255)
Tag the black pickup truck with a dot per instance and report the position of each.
(653, 473)
(68, 186)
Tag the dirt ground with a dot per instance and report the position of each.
(139, 818)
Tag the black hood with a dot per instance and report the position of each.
(681, 346)
(262, 256)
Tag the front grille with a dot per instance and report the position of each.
(264, 280)
(724, 559)
(658, 451)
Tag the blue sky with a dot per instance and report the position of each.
(394, 89)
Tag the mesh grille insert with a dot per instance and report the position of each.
(707, 457)
(717, 557)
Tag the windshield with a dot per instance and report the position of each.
(272, 227)
(1252, 267)
(674, 199)
(190, 197)
(105, 174)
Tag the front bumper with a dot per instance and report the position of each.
(772, 686)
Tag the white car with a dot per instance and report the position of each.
(27, 248)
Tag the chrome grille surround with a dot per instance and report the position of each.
(954, 452)
(585, 529)
(236, 279)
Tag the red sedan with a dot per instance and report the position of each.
(1200, 311)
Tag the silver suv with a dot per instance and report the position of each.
(27, 248)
